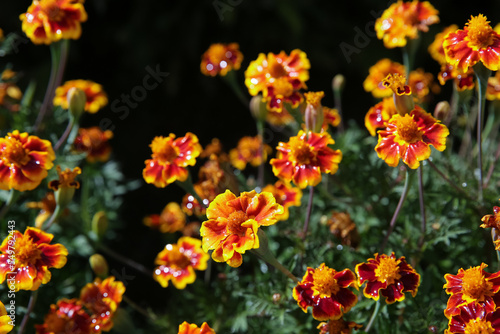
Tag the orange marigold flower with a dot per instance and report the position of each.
(66, 179)
(285, 195)
(436, 49)
(220, 59)
(342, 226)
(305, 157)
(378, 115)
(27, 257)
(67, 316)
(10, 93)
(279, 118)
(477, 42)
(47, 206)
(492, 220)
(421, 84)
(170, 158)
(177, 262)
(233, 222)
(5, 320)
(96, 97)
(409, 138)
(403, 20)
(24, 161)
(170, 220)
(248, 151)
(463, 80)
(281, 91)
(94, 142)
(331, 117)
(101, 299)
(473, 318)
(473, 285)
(339, 326)
(493, 88)
(186, 328)
(48, 21)
(377, 73)
(387, 276)
(214, 151)
(326, 291)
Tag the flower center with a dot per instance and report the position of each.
(303, 153)
(314, 98)
(282, 87)
(163, 150)
(26, 252)
(407, 129)
(234, 222)
(218, 53)
(475, 286)
(479, 32)
(53, 11)
(276, 69)
(178, 259)
(387, 270)
(324, 282)
(15, 153)
(478, 326)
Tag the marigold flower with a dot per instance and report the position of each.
(186, 328)
(473, 318)
(342, 226)
(378, 115)
(170, 158)
(421, 84)
(67, 314)
(248, 151)
(463, 80)
(326, 291)
(377, 73)
(339, 326)
(493, 88)
(477, 42)
(214, 151)
(170, 220)
(436, 49)
(403, 20)
(48, 21)
(24, 161)
(233, 222)
(47, 206)
(408, 138)
(101, 299)
(5, 320)
(473, 285)
(29, 256)
(177, 262)
(96, 97)
(281, 91)
(94, 142)
(305, 157)
(492, 220)
(279, 118)
(331, 117)
(313, 114)
(220, 59)
(387, 276)
(10, 94)
(285, 195)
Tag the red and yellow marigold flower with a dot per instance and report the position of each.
(463, 80)
(66, 179)
(30, 256)
(48, 21)
(377, 73)
(339, 326)
(24, 161)
(409, 138)
(214, 151)
(281, 91)
(5, 321)
(186, 328)
(94, 142)
(473, 318)
(387, 276)
(492, 220)
(378, 115)
(279, 119)
(493, 88)
(220, 59)
(421, 84)
(248, 151)
(473, 285)
(477, 42)
(96, 97)
(331, 117)
(177, 262)
(171, 219)
(404, 20)
(47, 206)
(233, 223)
(436, 49)
(326, 291)
(170, 158)
(305, 157)
(285, 195)
(67, 316)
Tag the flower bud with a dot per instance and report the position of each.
(76, 101)
(403, 100)
(442, 111)
(258, 108)
(314, 111)
(338, 83)
(99, 265)
(100, 224)
(64, 188)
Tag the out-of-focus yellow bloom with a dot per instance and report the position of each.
(220, 59)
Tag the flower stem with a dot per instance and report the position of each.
(374, 315)
(260, 132)
(308, 212)
(31, 305)
(396, 212)
(57, 212)
(422, 206)
(230, 79)
(137, 266)
(66, 133)
(8, 203)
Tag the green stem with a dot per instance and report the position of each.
(230, 79)
(66, 133)
(374, 315)
(448, 180)
(125, 260)
(308, 212)
(31, 305)
(57, 212)
(422, 206)
(260, 132)
(188, 187)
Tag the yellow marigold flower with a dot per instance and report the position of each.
(377, 73)
(378, 115)
(94, 142)
(5, 321)
(24, 161)
(170, 158)
(493, 88)
(48, 21)
(403, 20)
(47, 206)
(177, 262)
(409, 138)
(220, 59)
(436, 49)
(29, 256)
(342, 226)
(305, 157)
(387, 276)
(248, 151)
(96, 97)
(339, 326)
(473, 319)
(326, 291)
(233, 222)
(285, 195)
(493, 220)
(279, 118)
(477, 42)
(421, 84)
(473, 285)
(67, 313)
(170, 220)
(186, 328)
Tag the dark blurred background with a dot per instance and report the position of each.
(123, 37)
